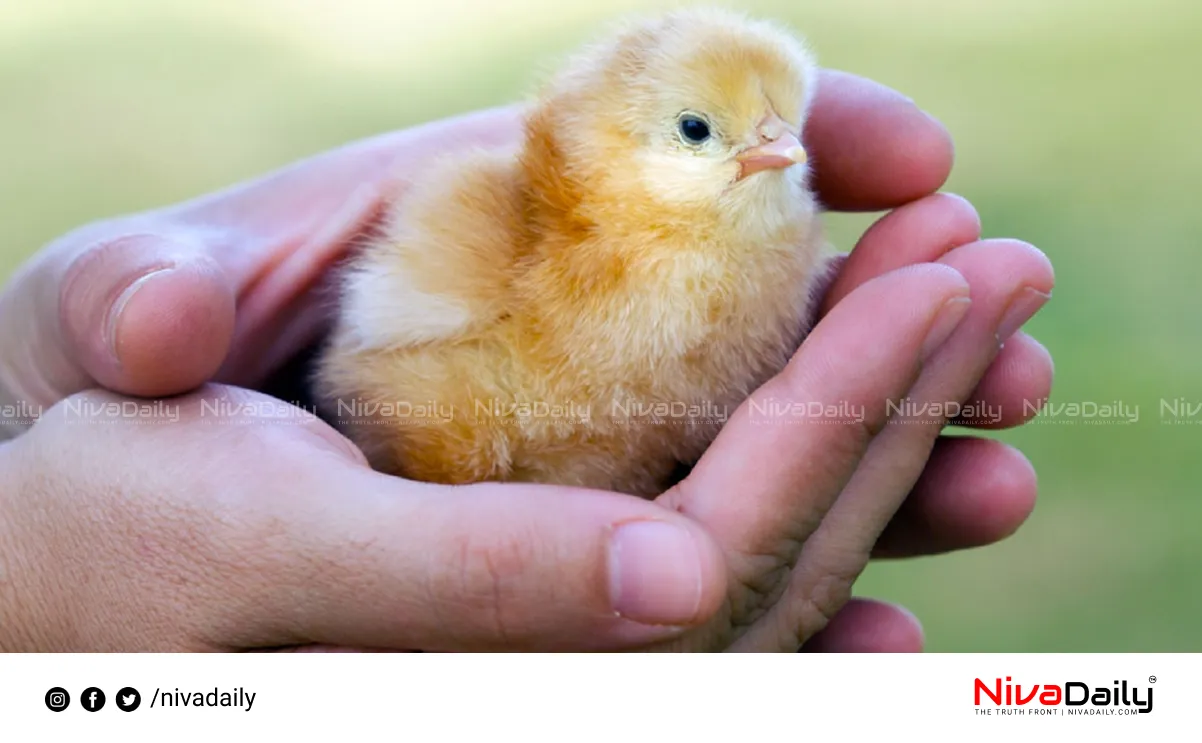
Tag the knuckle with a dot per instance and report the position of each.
(863, 429)
(761, 579)
(489, 580)
(816, 607)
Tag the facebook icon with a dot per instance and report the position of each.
(92, 699)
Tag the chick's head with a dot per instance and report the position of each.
(694, 109)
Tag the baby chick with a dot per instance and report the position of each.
(587, 308)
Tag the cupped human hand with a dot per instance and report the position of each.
(226, 288)
(228, 520)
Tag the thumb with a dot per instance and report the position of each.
(365, 560)
(141, 314)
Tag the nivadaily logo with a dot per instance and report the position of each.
(1071, 698)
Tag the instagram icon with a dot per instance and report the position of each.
(57, 699)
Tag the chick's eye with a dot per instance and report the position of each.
(694, 130)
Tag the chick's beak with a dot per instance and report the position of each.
(782, 152)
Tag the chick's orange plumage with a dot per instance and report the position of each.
(587, 307)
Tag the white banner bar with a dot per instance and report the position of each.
(579, 698)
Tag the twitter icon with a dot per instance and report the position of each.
(128, 699)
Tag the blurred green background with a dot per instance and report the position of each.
(1078, 127)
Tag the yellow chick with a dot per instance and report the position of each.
(588, 307)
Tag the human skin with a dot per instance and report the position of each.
(261, 533)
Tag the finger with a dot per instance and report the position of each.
(765, 483)
(919, 232)
(1014, 388)
(1004, 276)
(867, 626)
(872, 148)
(490, 567)
(973, 492)
(280, 314)
(140, 314)
(923, 231)
(163, 332)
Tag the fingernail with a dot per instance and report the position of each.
(112, 325)
(1022, 307)
(655, 573)
(946, 322)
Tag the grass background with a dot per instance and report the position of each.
(1078, 126)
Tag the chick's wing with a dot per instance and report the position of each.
(441, 268)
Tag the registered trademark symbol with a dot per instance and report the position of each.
(1151, 679)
